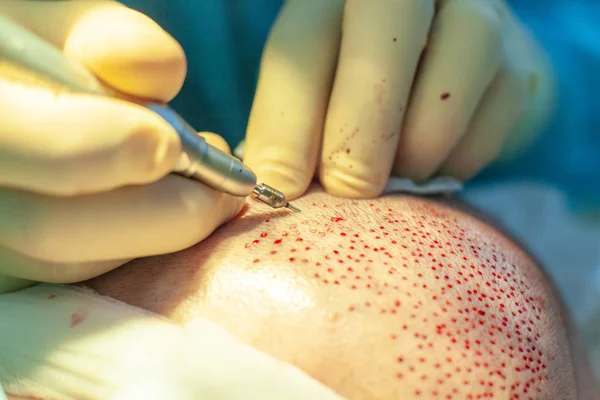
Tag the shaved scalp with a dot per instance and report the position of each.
(398, 297)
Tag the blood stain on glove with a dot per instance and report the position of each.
(344, 147)
(77, 318)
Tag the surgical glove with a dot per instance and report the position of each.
(84, 182)
(361, 89)
(65, 342)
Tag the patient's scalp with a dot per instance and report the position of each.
(410, 266)
(393, 298)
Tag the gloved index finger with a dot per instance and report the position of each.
(381, 48)
(284, 131)
(77, 144)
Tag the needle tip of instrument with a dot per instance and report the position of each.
(291, 207)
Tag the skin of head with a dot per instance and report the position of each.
(398, 297)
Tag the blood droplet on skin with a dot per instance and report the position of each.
(445, 96)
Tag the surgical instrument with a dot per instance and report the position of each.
(199, 160)
(275, 198)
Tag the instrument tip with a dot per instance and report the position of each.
(272, 197)
(293, 208)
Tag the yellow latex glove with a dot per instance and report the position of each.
(84, 183)
(360, 89)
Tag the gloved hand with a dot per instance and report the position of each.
(121, 352)
(359, 89)
(84, 182)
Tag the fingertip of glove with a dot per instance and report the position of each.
(343, 184)
(129, 51)
(290, 182)
(464, 168)
(416, 173)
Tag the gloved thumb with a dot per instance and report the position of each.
(123, 47)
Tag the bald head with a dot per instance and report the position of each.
(397, 297)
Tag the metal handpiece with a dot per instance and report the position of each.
(204, 162)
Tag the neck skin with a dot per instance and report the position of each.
(398, 297)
